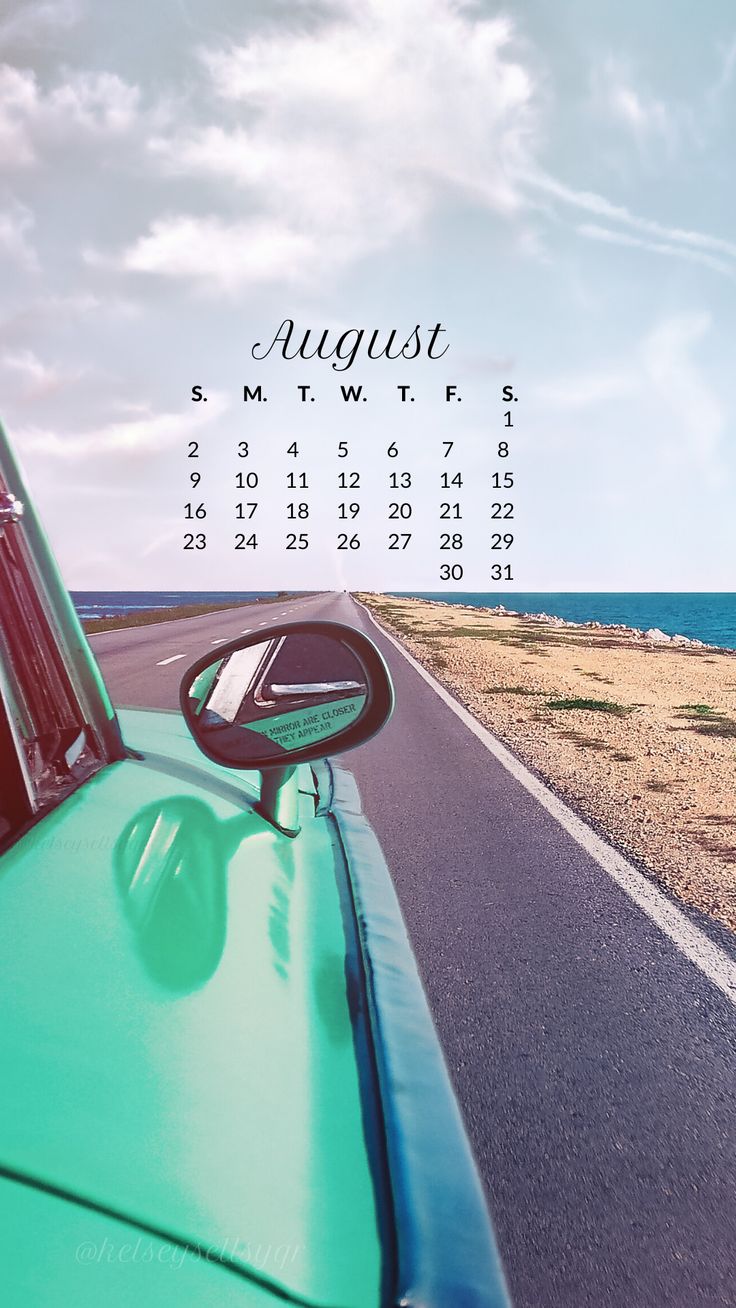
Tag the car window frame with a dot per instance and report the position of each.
(71, 693)
(39, 697)
(17, 783)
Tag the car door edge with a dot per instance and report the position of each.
(445, 1246)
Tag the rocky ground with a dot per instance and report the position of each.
(635, 730)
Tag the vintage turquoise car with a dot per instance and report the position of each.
(220, 1083)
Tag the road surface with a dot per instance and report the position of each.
(595, 1064)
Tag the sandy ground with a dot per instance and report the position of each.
(652, 759)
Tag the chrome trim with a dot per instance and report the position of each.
(5, 702)
(11, 509)
(312, 688)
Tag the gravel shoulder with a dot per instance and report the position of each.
(639, 735)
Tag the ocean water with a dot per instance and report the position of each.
(118, 603)
(704, 615)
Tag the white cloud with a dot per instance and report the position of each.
(336, 140)
(598, 205)
(15, 225)
(640, 112)
(18, 100)
(597, 233)
(727, 59)
(49, 313)
(32, 21)
(696, 414)
(680, 419)
(38, 378)
(347, 136)
(96, 104)
(223, 255)
(148, 434)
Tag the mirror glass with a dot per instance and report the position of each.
(277, 696)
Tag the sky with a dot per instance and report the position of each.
(552, 183)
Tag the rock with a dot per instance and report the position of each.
(657, 636)
(688, 640)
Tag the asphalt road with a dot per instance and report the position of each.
(594, 1063)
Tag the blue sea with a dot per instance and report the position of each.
(703, 615)
(706, 616)
(119, 603)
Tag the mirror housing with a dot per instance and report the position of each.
(285, 695)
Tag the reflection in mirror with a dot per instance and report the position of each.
(272, 698)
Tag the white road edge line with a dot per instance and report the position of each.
(703, 952)
(162, 662)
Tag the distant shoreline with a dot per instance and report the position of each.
(652, 636)
(707, 616)
(147, 617)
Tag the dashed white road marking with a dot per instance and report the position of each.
(703, 952)
(162, 662)
(220, 640)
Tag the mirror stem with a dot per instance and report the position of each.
(279, 801)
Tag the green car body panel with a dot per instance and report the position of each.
(58, 1255)
(220, 1083)
(180, 983)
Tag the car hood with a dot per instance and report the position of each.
(177, 1046)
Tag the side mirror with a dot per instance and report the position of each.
(293, 693)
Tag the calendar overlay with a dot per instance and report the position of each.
(380, 481)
